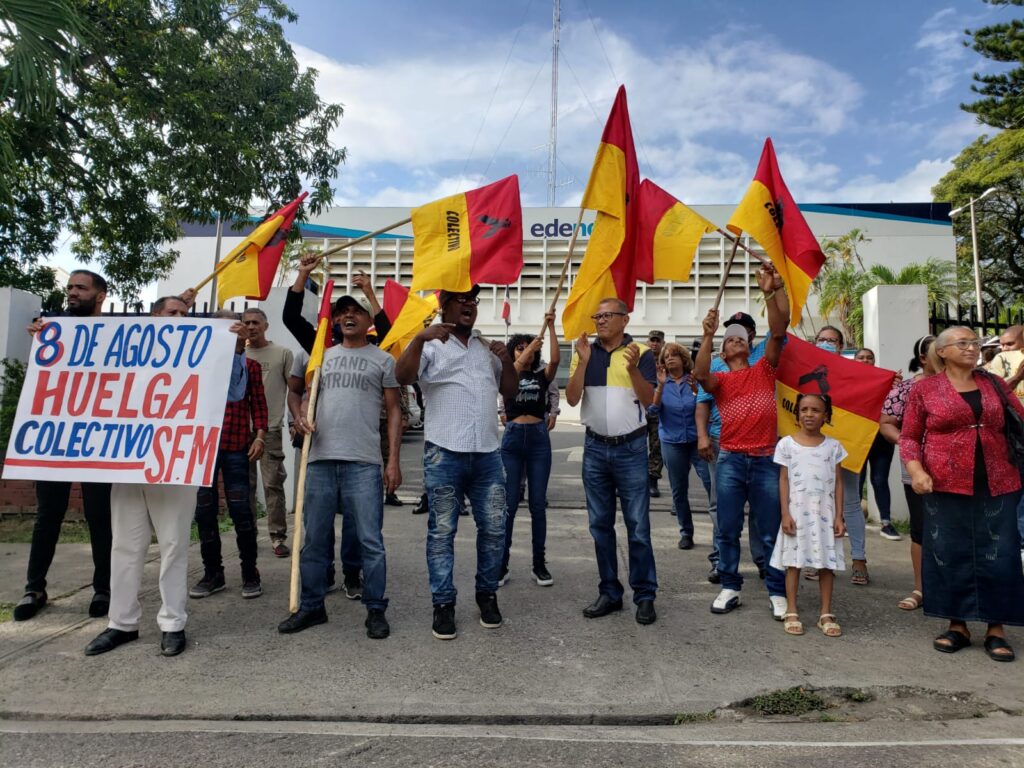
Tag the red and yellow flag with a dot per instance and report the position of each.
(668, 233)
(254, 262)
(857, 390)
(469, 238)
(409, 314)
(769, 213)
(609, 265)
(324, 337)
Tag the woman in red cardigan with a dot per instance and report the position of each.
(958, 458)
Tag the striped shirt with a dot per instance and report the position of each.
(460, 394)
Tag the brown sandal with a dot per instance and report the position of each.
(860, 577)
(911, 602)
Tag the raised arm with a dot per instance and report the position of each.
(555, 354)
(702, 363)
(778, 314)
(303, 331)
(407, 369)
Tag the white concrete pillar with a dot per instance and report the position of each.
(895, 316)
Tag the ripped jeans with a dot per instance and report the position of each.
(450, 477)
(233, 467)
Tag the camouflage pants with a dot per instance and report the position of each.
(654, 462)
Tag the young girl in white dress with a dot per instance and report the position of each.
(811, 491)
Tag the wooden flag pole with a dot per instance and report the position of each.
(728, 236)
(300, 492)
(725, 275)
(362, 238)
(565, 269)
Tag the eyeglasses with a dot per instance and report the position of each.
(964, 344)
(601, 317)
(465, 300)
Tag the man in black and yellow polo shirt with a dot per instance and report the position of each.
(615, 378)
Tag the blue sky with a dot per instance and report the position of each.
(861, 99)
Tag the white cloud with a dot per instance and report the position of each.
(944, 65)
(913, 186)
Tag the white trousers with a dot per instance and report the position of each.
(136, 512)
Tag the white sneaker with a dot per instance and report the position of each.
(727, 600)
(779, 606)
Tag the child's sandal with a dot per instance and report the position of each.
(791, 624)
(912, 601)
(829, 628)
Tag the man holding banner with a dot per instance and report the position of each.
(746, 472)
(86, 291)
(165, 504)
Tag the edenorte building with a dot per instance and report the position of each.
(896, 235)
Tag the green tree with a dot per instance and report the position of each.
(155, 112)
(990, 162)
(1002, 105)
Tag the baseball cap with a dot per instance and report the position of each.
(348, 301)
(743, 319)
(734, 330)
(660, 335)
(444, 296)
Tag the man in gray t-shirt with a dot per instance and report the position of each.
(344, 468)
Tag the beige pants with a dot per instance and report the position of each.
(271, 467)
(136, 512)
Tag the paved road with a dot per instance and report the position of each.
(547, 668)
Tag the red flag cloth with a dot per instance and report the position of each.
(857, 391)
(506, 309)
(395, 295)
(668, 233)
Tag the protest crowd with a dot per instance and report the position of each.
(782, 432)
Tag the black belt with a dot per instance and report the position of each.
(618, 439)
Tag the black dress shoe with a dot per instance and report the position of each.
(686, 541)
(422, 507)
(302, 620)
(29, 605)
(645, 613)
(714, 576)
(760, 573)
(393, 501)
(99, 606)
(108, 640)
(602, 607)
(172, 643)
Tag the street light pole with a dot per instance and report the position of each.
(974, 251)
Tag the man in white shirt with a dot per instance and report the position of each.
(461, 374)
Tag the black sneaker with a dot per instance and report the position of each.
(376, 625)
(714, 576)
(210, 583)
(444, 622)
(422, 507)
(490, 616)
(332, 584)
(353, 586)
(652, 487)
(505, 576)
(393, 501)
(889, 532)
(541, 575)
(252, 586)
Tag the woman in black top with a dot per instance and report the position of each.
(526, 446)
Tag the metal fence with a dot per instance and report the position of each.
(997, 319)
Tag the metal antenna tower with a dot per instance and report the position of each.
(556, 24)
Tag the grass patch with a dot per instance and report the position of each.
(691, 718)
(791, 701)
(860, 696)
(903, 526)
(18, 530)
(6, 611)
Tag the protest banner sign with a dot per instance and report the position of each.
(125, 400)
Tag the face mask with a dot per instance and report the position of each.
(828, 346)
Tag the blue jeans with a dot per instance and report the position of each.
(740, 479)
(233, 467)
(876, 467)
(853, 515)
(526, 448)
(351, 556)
(450, 477)
(678, 458)
(358, 490)
(610, 470)
(711, 486)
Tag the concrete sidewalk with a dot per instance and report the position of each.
(546, 664)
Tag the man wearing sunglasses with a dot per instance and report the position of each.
(615, 379)
(461, 374)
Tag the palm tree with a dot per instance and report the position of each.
(840, 292)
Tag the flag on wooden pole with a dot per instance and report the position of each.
(608, 269)
(469, 238)
(857, 391)
(409, 314)
(506, 309)
(250, 268)
(668, 233)
(769, 213)
(324, 336)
